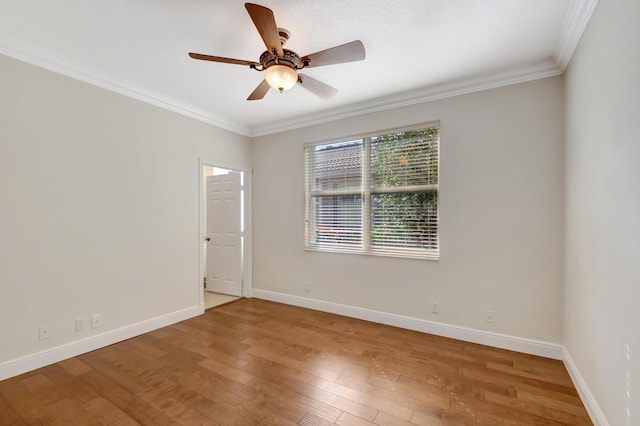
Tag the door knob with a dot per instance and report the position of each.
(207, 239)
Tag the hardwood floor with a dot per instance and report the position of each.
(254, 362)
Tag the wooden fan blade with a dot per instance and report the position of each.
(316, 87)
(264, 21)
(221, 59)
(349, 52)
(260, 91)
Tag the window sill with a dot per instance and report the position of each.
(396, 254)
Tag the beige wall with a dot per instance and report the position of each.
(100, 207)
(602, 318)
(99, 211)
(501, 217)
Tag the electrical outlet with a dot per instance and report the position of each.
(96, 320)
(307, 287)
(491, 317)
(45, 332)
(435, 307)
(81, 323)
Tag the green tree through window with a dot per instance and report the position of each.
(375, 195)
(406, 162)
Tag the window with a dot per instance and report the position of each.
(374, 195)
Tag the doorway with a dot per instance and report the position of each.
(225, 250)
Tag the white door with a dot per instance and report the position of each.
(224, 234)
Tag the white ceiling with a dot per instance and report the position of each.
(416, 50)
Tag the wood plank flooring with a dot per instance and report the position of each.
(254, 362)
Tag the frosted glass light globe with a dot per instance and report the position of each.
(280, 77)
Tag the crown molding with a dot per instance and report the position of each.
(575, 23)
(26, 52)
(577, 17)
(427, 94)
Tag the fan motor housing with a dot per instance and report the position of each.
(290, 58)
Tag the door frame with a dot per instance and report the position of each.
(247, 247)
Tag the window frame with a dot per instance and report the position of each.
(365, 192)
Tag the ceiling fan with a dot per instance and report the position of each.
(281, 65)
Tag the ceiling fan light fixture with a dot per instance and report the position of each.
(281, 77)
(280, 65)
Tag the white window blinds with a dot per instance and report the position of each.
(334, 195)
(375, 195)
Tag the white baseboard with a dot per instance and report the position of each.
(534, 347)
(597, 416)
(519, 344)
(37, 360)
